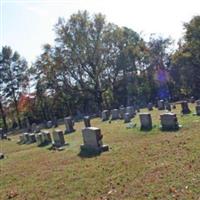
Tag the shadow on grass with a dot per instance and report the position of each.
(86, 153)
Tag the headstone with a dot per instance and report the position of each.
(127, 118)
(198, 110)
(185, 108)
(31, 138)
(114, 114)
(58, 138)
(69, 125)
(122, 111)
(131, 111)
(21, 139)
(146, 121)
(92, 139)
(161, 105)
(40, 139)
(46, 137)
(150, 106)
(87, 121)
(1, 156)
(169, 121)
(49, 124)
(105, 115)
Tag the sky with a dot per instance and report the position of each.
(26, 25)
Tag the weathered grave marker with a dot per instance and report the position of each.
(92, 139)
(105, 115)
(161, 105)
(69, 124)
(127, 118)
(169, 121)
(58, 138)
(146, 121)
(114, 114)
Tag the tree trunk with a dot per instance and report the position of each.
(3, 117)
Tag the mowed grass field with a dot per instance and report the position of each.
(139, 165)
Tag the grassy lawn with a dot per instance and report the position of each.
(139, 165)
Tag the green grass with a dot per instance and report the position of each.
(139, 165)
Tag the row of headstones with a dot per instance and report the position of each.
(165, 105)
(92, 139)
(125, 113)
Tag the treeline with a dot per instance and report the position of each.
(95, 65)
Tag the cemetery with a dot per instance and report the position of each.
(97, 108)
(123, 152)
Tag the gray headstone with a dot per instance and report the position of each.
(69, 124)
(58, 138)
(146, 121)
(46, 137)
(169, 121)
(131, 111)
(92, 139)
(40, 139)
(87, 121)
(127, 118)
(105, 115)
(167, 106)
(114, 114)
(198, 102)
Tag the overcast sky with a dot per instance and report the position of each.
(26, 25)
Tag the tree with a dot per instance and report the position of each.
(14, 77)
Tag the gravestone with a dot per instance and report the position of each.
(21, 139)
(31, 138)
(161, 105)
(105, 115)
(150, 106)
(131, 111)
(92, 139)
(58, 138)
(121, 112)
(169, 121)
(69, 124)
(87, 121)
(146, 121)
(198, 110)
(185, 108)
(26, 137)
(39, 139)
(46, 137)
(114, 114)
(37, 129)
(127, 118)
(49, 124)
